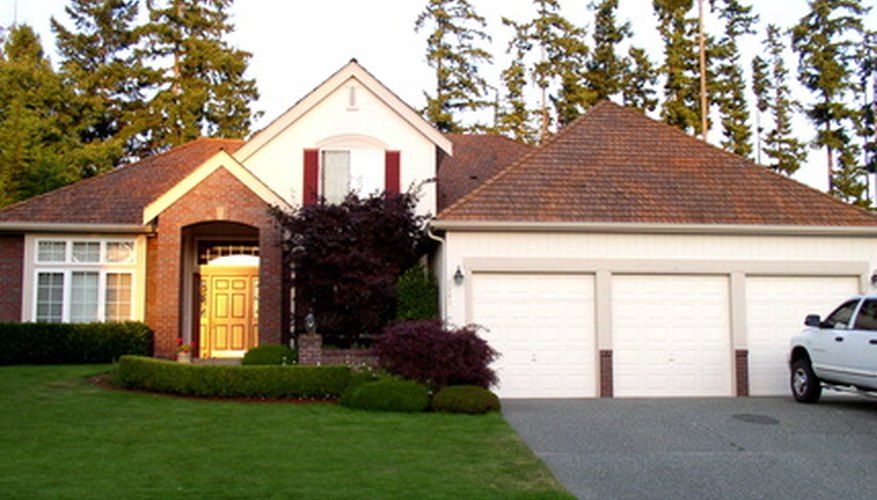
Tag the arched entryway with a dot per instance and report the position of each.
(223, 283)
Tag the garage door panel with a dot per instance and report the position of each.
(543, 327)
(671, 336)
(775, 310)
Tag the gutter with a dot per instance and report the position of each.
(76, 227)
(652, 228)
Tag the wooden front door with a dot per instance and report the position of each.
(229, 316)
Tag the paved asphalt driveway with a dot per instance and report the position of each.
(767, 448)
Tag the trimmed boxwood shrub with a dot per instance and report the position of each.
(465, 399)
(270, 354)
(388, 394)
(427, 352)
(416, 295)
(320, 382)
(53, 343)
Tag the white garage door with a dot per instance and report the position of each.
(775, 310)
(671, 336)
(543, 327)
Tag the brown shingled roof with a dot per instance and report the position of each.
(118, 196)
(476, 159)
(615, 165)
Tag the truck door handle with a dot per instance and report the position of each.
(838, 339)
(873, 341)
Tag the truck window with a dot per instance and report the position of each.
(840, 318)
(867, 318)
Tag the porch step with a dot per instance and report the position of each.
(217, 361)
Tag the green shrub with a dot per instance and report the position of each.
(53, 343)
(470, 399)
(388, 394)
(321, 382)
(270, 354)
(416, 295)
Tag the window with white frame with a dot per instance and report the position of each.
(360, 171)
(83, 280)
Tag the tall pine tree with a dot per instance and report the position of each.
(680, 70)
(203, 90)
(38, 121)
(730, 84)
(453, 51)
(784, 151)
(99, 60)
(606, 68)
(559, 67)
(513, 116)
(826, 41)
(640, 78)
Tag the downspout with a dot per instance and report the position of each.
(443, 301)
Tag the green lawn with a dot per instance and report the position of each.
(61, 437)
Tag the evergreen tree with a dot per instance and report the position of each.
(513, 119)
(868, 82)
(730, 85)
(826, 40)
(559, 69)
(785, 152)
(204, 91)
(606, 69)
(453, 52)
(99, 61)
(680, 70)
(38, 117)
(760, 89)
(639, 80)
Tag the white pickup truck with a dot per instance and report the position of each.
(839, 352)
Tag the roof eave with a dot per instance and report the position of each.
(652, 228)
(73, 227)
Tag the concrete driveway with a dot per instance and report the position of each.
(704, 448)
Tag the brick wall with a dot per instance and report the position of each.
(11, 276)
(741, 366)
(312, 353)
(218, 198)
(606, 387)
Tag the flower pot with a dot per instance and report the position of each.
(184, 357)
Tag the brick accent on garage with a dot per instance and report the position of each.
(741, 368)
(606, 373)
(11, 276)
(220, 197)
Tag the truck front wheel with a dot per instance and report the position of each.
(806, 387)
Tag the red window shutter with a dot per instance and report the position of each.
(391, 172)
(310, 188)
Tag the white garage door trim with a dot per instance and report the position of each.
(671, 336)
(775, 310)
(544, 328)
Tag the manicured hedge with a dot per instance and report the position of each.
(45, 343)
(388, 394)
(270, 354)
(321, 382)
(470, 399)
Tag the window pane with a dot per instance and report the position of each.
(118, 297)
(336, 175)
(120, 252)
(51, 251)
(50, 297)
(86, 251)
(841, 316)
(83, 297)
(367, 171)
(867, 318)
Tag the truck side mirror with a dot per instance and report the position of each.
(812, 320)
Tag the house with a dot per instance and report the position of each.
(621, 258)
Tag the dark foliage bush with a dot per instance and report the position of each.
(388, 394)
(321, 382)
(347, 258)
(470, 399)
(427, 352)
(52, 343)
(270, 354)
(417, 295)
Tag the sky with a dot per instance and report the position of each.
(296, 44)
